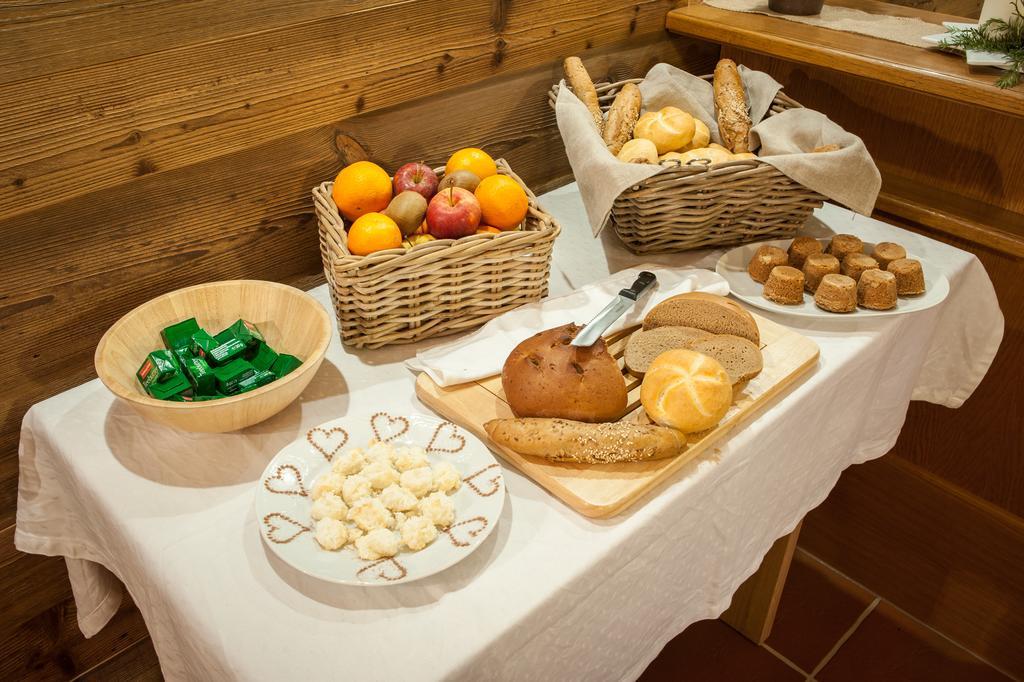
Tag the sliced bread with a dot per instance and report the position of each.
(740, 357)
(715, 314)
(645, 345)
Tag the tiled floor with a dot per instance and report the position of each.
(828, 629)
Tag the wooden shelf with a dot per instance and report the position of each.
(953, 215)
(919, 69)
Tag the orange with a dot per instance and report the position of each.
(361, 187)
(487, 229)
(502, 202)
(476, 161)
(373, 232)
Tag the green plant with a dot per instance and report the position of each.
(995, 35)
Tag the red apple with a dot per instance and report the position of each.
(417, 177)
(453, 213)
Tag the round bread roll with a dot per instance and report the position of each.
(638, 151)
(701, 136)
(544, 376)
(686, 390)
(669, 128)
(708, 155)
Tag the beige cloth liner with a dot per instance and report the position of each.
(848, 176)
(906, 30)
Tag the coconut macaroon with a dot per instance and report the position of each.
(887, 252)
(802, 247)
(331, 534)
(856, 263)
(836, 294)
(877, 290)
(785, 285)
(816, 267)
(766, 258)
(844, 244)
(909, 276)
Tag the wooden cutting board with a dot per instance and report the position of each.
(600, 491)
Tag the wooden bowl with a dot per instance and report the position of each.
(291, 321)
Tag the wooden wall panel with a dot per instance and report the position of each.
(939, 145)
(946, 557)
(106, 125)
(150, 145)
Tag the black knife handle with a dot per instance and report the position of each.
(643, 280)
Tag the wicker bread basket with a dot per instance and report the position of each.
(694, 207)
(435, 288)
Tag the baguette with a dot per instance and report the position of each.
(579, 80)
(622, 117)
(562, 440)
(731, 107)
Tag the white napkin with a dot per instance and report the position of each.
(482, 353)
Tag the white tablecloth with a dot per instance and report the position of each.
(550, 593)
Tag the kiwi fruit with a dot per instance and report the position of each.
(461, 178)
(407, 210)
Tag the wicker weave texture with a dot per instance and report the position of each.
(436, 288)
(698, 206)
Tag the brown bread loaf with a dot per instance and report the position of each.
(544, 376)
(618, 129)
(562, 440)
(579, 80)
(731, 107)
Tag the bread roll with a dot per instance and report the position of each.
(579, 80)
(715, 314)
(701, 136)
(638, 151)
(561, 440)
(705, 156)
(731, 107)
(618, 129)
(544, 376)
(686, 390)
(669, 128)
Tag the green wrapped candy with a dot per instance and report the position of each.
(203, 343)
(247, 333)
(198, 371)
(180, 334)
(226, 352)
(160, 365)
(229, 376)
(264, 357)
(174, 388)
(224, 336)
(260, 378)
(284, 364)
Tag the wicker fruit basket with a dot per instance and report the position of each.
(436, 288)
(687, 207)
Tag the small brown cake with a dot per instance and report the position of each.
(785, 285)
(856, 263)
(909, 276)
(766, 258)
(877, 290)
(836, 294)
(816, 267)
(801, 248)
(843, 244)
(887, 252)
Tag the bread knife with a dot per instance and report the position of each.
(592, 331)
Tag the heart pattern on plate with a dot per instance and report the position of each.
(382, 423)
(282, 484)
(446, 438)
(462, 533)
(280, 533)
(492, 485)
(327, 441)
(389, 567)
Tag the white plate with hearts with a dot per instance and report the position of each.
(283, 497)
